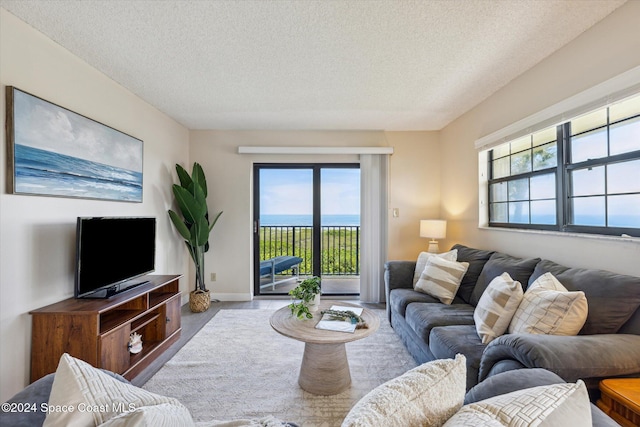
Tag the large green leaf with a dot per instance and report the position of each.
(190, 207)
(183, 176)
(201, 228)
(214, 220)
(180, 225)
(198, 176)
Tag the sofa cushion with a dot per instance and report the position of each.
(496, 307)
(423, 257)
(79, 385)
(519, 269)
(427, 395)
(476, 258)
(441, 278)
(548, 405)
(447, 341)
(613, 298)
(399, 299)
(548, 308)
(422, 317)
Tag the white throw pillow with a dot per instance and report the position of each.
(92, 398)
(441, 278)
(424, 396)
(543, 406)
(421, 263)
(496, 307)
(549, 308)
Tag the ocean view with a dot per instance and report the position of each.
(307, 220)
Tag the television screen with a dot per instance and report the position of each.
(112, 251)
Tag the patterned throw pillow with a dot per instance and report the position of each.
(421, 263)
(496, 307)
(97, 398)
(424, 396)
(441, 278)
(550, 405)
(549, 308)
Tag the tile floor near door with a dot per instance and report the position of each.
(193, 322)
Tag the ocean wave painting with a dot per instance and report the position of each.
(57, 152)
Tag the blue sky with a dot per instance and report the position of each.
(289, 191)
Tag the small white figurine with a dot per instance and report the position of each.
(135, 343)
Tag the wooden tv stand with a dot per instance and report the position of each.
(97, 330)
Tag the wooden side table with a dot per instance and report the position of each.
(325, 368)
(621, 400)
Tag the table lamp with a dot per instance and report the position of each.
(433, 229)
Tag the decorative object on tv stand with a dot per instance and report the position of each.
(53, 151)
(195, 227)
(433, 229)
(135, 343)
(308, 294)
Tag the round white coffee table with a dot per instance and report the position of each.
(325, 368)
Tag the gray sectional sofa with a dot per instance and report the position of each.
(607, 346)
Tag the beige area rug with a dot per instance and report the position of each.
(238, 367)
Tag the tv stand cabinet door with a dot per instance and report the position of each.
(114, 350)
(172, 315)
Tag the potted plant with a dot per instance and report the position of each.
(308, 294)
(194, 226)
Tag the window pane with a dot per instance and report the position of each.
(521, 162)
(543, 212)
(625, 136)
(498, 212)
(545, 136)
(501, 168)
(624, 109)
(543, 187)
(587, 182)
(591, 145)
(519, 189)
(519, 212)
(499, 192)
(521, 144)
(624, 211)
(623, 177)
(589, 121)
(589, 211)
(545, 156)
(501, 151)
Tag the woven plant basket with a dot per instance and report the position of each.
(199, 301)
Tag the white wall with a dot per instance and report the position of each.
(604, 51)
(414, 170)
(37, 234)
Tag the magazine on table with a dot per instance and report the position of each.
(331, 324)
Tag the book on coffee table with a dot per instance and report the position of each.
(330, 324)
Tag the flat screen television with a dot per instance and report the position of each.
(112, 253)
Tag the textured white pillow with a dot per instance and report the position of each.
(549, 308)
(496, 307)
(441, 278)
(80, 387)
(421, 263)
(424, 396)
(543, 406)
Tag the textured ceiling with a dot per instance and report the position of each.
(388, 64)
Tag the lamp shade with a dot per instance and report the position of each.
(433, 228)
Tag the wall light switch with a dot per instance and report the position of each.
(213, 277)
(396, 212)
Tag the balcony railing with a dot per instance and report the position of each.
(340, 247)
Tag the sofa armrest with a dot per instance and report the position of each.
(397, 274)
(571, 357)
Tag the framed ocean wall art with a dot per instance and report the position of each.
(53, 151)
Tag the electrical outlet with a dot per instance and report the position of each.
(213, 277)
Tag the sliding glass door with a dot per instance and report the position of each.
(306, 223)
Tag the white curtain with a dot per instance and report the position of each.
(373, 249)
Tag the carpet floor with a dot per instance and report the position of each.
(236, 366)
